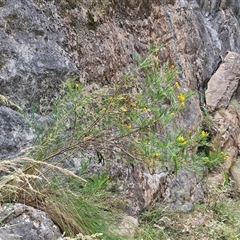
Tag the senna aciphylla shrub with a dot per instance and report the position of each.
(127, 119)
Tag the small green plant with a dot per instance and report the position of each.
(202, 157)
(152, 225)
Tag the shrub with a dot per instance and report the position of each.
(127, 119)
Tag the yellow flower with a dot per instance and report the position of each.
(172, 114)
(86, 138)
(133, 104)
(136, 140)
(104, 109)
(172, 66)
(181, 97)
(226, 157)
(77, 85)
(156, 154)
(181, 139)
(120, 97)
(155, 58)
(206, 159)
(204, 134)
(183, 104)
(176, 85)
(129, 126)
(145, 109)
(123, 109)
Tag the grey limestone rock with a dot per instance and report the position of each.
(183, 191)
(33, 63)
(15, 134)
(18, 221)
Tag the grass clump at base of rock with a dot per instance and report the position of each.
(74, 204)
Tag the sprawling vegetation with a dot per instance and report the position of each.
(132, 120)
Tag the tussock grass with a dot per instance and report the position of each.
(81, 211)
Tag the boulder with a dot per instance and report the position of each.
(224, 83)
(222, 98)
(19, 221)
(127, 226)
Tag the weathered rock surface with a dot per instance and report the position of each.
(222, 98)
(42, 43)
(227, 136)
(142, 188)
(183, 191)
(19, 221)
(32, 62)
(15, 135)
(227, 131)
(235, 172)
(224, 83)
(35, 53)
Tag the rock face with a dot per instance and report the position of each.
(222, 98)
(15, 135)
(42, 43)
(224, 83)
(45, 42)
(226, 128)
(98, 43)
(184, 190)
(23, 222)
(194, 32)
(33, 64)
(141, 188)
(196, 35)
